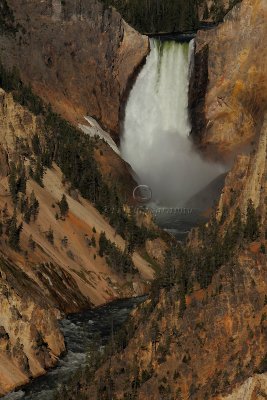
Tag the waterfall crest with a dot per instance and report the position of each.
(156, 128)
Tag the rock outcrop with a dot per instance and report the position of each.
(228, 93)
(43, 278)
(78, 56)
(30, 339)
(166, 16)
(218, 343)
(214, 347)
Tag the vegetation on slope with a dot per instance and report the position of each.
(152, 16)
(186, 270)
(73, 151)
(7, 19)
(155, 16)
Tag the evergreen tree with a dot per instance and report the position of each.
(12, 182)
(22, 180)
(63, 206)
(34, 206)
(103, 243)
(50, 235)
(14, 231)
(36, 146)
(251, 231)
(64, 241)
(93, 242)
(31, 243)
(39, 173)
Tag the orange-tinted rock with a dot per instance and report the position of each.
(79, 58)
(229, 91)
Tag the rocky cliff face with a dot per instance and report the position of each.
(215, 348)
(77, 56)
(228, 94)
(149, 16)
(30, 339)
(43, 278)
(218, 343)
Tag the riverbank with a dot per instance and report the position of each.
(79, 330)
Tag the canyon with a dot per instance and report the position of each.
(82, 58)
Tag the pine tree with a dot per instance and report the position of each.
(64, 241)
(63, 206)
(102, 244)
(12, 182)
(31, 243)
(252, 225)
(14, 231)
(50, 235)
(22, 180)
(34, 206)
(93, 242)
(39, 173)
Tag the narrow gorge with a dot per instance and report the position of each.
(105, 295)
(156, 134)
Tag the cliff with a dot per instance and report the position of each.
(149, 16)
(202, 333)
(207, 341)
(30, 339)
(228, 94)
(82, 56)
(50, 264)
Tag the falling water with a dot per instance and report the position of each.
(156, 128)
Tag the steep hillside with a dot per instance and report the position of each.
(202, 333)
(51, 237)
(228, 94)
(82, 57)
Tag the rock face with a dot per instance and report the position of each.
(247, 180)
(82, 56)
(228, 93)
(26, 348)
(219, 342)
(217, 348)
(39, 283)
(149, 16)
(214, 10)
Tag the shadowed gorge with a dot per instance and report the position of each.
(132, 265)
(154, 16)
(156, 129)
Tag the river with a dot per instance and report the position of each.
(79, 331)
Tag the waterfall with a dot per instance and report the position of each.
(156, 127)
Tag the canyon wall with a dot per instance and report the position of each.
(149, 16)
(77, 56)
(215, 348)
(228, 94)
(27, 348)
(42, 278)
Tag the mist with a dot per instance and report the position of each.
(156, 128)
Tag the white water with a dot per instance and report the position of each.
(156, 128)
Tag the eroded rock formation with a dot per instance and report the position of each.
(77, 56)
(228, 90)
(41, 279)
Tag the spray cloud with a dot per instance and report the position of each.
(156, 128)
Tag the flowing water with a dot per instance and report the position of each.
(79, 331)
(156, 138)
(156, 143)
